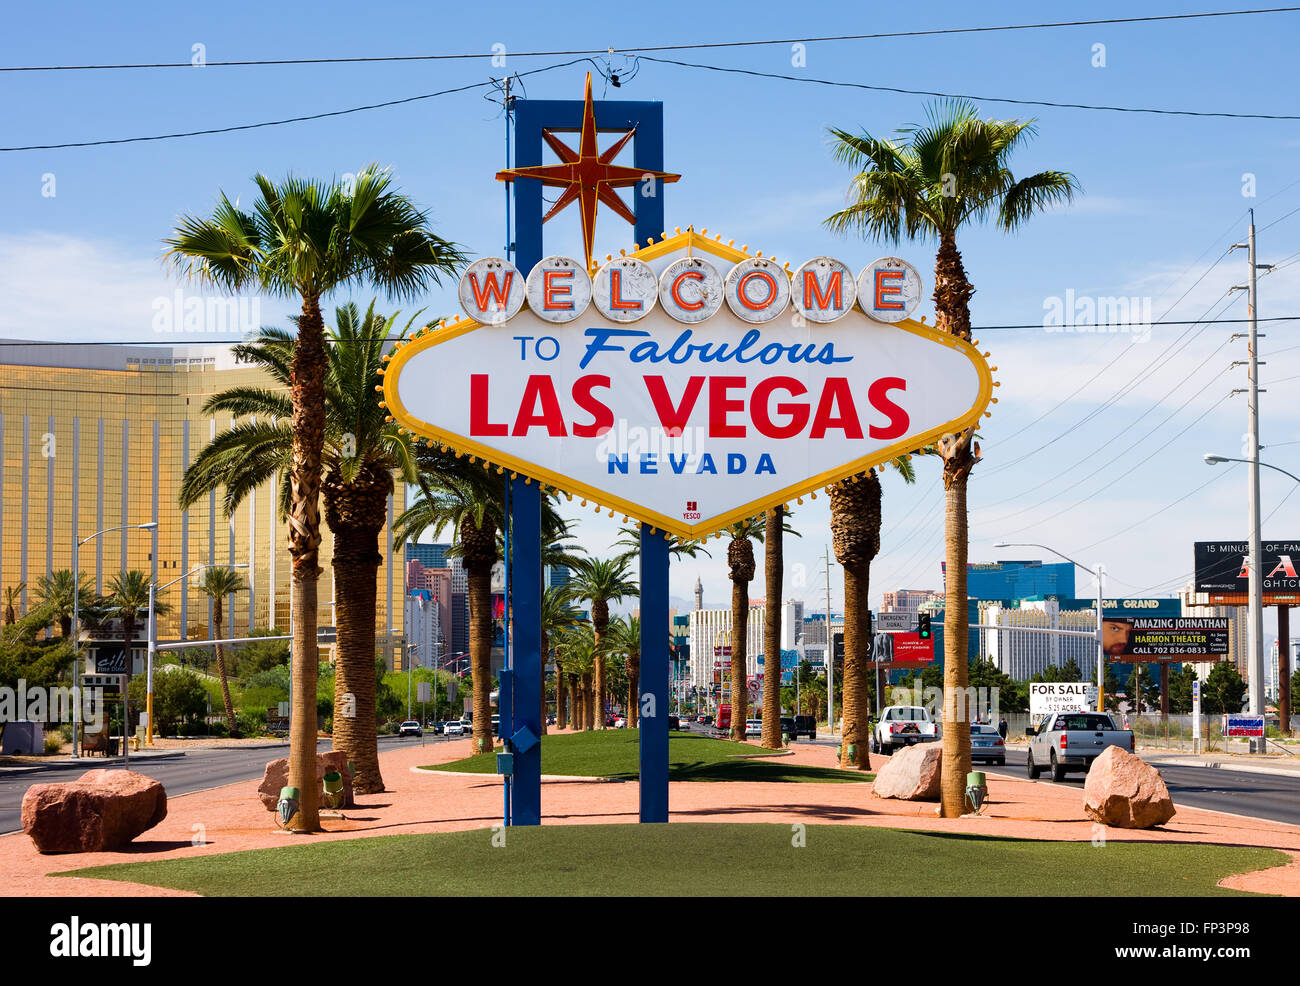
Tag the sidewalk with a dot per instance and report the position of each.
(1279, 765)
(230, 818)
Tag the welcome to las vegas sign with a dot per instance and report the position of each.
(687, 384)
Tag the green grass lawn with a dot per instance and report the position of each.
(691, 858)
(613, 753)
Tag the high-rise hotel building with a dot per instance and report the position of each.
(99, 436)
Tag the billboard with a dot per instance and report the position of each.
(687, 384)
(1164, 638)
(1243, 725)
(1047, 697)
(895, 649)
(1223, 571)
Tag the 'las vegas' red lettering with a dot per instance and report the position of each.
(602, 418)
(478, 407)
(761, 412)
(720, 405)
(835, 394)
(539, 389)
(673, 418)
(878, 395)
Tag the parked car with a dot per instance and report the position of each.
(723, 721)
(987, 745)
(550, 720)
(674, 722)
(620, 722)
(496, 725)
(410, 728)
(434, 726)
(1066, 741)
(753, 727)
(454, 728)
(804, 726)
(902, 725)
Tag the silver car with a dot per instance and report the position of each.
(987, 744)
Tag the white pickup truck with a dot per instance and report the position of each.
(902, 725)
(1066, 741)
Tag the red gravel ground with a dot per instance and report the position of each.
(230, 818)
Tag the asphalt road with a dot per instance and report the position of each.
(197, 770)
(1267, 796)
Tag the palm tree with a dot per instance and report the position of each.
(602, 581)
(13, 594)
(128, 593)
(217, 584)
(307, 238)
(458, 493)
(740, 561)
(558, 615)
(942, 176)
(855, 533)
(624, 637)
(773, 564)
(576, 647)
(630, 540)
(362, 451)
(56, 589)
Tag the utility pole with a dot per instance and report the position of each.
(1255, 619)
(830, 653)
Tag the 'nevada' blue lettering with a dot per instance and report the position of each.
(764, 465)
(678, 466)
(706, 465)
(617, 463)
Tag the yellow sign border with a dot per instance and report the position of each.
(603, 499)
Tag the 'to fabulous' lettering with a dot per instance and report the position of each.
(683, 350)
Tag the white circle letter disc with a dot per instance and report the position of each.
(625, 289)
(559, 290)
(690, 289)
(491, 291)
(757, 290)
(889, 289)
(823, 289)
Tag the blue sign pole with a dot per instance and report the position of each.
(532, 115)
(653, 690)
(524, 728)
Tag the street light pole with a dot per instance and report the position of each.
(1097, 575)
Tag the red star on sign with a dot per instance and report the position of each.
(586, 174)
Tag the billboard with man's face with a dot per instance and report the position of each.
(1128, 639)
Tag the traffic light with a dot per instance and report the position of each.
(923, 625)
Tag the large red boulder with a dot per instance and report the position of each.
(103, 809)
(911, 774)
(277, 776)
(1124, 791)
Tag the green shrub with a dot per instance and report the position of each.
(53, 742)
(327, 726)
(218, 729)
(251, 721)
(66, 732)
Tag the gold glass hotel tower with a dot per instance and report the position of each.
(97, 436)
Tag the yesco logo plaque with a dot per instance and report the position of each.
(688, 384)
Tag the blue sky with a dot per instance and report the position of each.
(1163, 199)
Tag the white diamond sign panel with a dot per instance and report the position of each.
(687, 426)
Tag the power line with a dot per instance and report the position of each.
(282, 122)
(671, 47)
(973, 98)
(1157, 513)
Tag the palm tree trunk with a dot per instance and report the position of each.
(956, 625)
(307, 393)
(356, 563)
(480, 653)
(574, 720)
(599, 624)
(561, 712)
(588, 705)
(739, 654)
(952, 294)
(633, 688)
(546, 646)
(773, 564)
(855, 701)
(229, 708)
